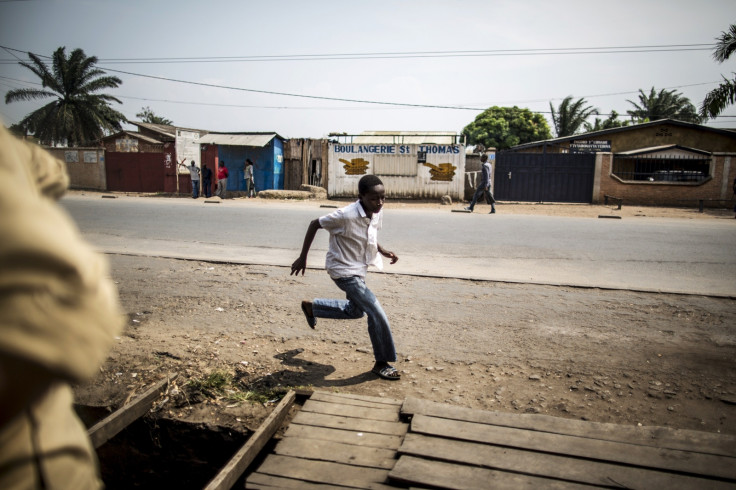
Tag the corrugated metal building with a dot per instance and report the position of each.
(265, 150)
(415, 165)
(303, 163)
(177, 144)
(142, 161)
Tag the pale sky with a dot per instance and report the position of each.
(426, 68)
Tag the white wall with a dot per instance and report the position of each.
(398, 166)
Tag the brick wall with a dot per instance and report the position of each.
(85, 166)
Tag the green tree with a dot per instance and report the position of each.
(570, 116)
(665, 104)
(148, 116)
(504, 127)
(78, 115)
(612, 121)
(725, 94)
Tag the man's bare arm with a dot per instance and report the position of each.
(300, 264)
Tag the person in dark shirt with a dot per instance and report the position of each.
(206, 181)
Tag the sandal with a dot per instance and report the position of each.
(312, 321)
(387, 372)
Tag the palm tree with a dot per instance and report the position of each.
(147, 115)
(78, 115)
(665, 104)
(612, 121)
(725, 94)
(570, 116)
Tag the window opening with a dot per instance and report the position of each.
(662, 168)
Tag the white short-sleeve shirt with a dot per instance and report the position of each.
(353, 241)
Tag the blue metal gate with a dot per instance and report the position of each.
(544, 177)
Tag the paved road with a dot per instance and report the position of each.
(668, 255)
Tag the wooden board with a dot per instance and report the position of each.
(550, 465)
(355, 438)
(230, 473)
(260, 480)
(335, 441)
(337, 452)
(341, 440)
(359, 400)
(111, 425)
(323, 472)
(663, 437)
(415, 471)
(350, 423)
(618, 452)
(370, 413)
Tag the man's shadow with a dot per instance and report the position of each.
(311, 373)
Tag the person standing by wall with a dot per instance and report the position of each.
(250, 186)
(194, 174)
(222, 174)
(484, 187)
(206, 181)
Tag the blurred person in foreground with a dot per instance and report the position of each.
(59, 314)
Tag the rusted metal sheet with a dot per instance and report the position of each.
(303, 163)
(135, 172)
(417, 171)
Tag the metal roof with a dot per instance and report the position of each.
(165, 129)
(132, 134)
(658, 149)
(622, 129)
(407, 137)
(238, 139)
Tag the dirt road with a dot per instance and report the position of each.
(236, 332)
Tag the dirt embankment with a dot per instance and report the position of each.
(236, 336)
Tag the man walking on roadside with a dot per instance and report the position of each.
(484, 188)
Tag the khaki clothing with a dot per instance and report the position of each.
(50, 433)
(59, 314)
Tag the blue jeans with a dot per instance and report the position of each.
(195, 189)
(360, 301)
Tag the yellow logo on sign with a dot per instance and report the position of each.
(443, 172)
(356, 166)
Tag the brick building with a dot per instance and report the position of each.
(665, 162)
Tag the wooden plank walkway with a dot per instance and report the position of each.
(335, 441)
(351, 441)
